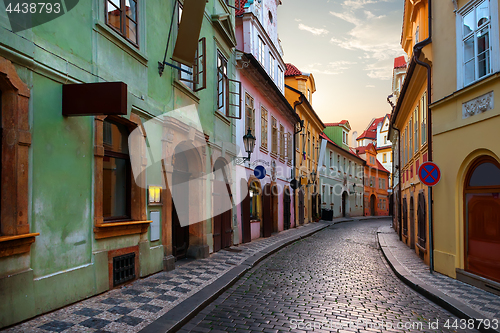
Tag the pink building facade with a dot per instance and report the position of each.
(266, 200)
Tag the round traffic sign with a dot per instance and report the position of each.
(260, 172)
(429, 173)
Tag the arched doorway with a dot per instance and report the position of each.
(373, 200)
(221, 207)
(482, 218)
(286, 208)
(180, 233)
(412, 223)
(344, 204)
(301, 206)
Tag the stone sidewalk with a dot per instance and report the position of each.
(463, 300)
(194, 284)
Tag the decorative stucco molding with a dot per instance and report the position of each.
(478, 105)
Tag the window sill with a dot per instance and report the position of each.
(186, 90)
(222, 117)
(120, 41)
(264, 150)
(274, 155)
(114, 229)
(11, 245)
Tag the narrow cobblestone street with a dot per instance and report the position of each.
(337, 280)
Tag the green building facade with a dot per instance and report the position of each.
(56, 244)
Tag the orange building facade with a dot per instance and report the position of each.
(376, 183)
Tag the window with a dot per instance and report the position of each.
(309, 143)
(289, 148)
(222, 82)
(280, 78)
(423, 116)
(385, 139)
(476, 42)
(410, 135)
(262, 54)
(274, 136)
(309, 95)
(331, 195)
(415, 129)
(116, 172)
(344, 166)
(121, 15)
(249, 113)
(331, 160)
(272, 64)
(263, 127)
(350, 171)
(338, 162)
(417, 34)
(282, 142)
(385, 158)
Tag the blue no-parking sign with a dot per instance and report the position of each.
(429, 173)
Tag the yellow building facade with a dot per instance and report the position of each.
(299, 89)
(465, 132)
(409, 120)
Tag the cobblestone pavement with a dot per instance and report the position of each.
(335, 280)
(133, 307)
(482, 301)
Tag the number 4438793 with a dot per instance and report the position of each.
(471, 324)
(33, 8)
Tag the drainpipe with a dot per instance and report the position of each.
(400, 222)
(295, 132)
(417, 49)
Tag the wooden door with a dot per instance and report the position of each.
(421, 220)
(301, 206)
(344, 204)
(412, 223)
(372, 205)
(245, 215)
(217, 196)
(180, 234)
(286, 209)
(267, 210)
(226, 225)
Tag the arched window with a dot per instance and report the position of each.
(482, 218)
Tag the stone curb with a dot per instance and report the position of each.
(454, 306)
(178, 316)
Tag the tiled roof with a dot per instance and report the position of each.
(343, 122)
(241, 5)
(399, 62)
(291, 70)
(374, 124)
(368, 135)
(381, 167)
(361, 150)
(350, 151)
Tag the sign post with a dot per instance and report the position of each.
(430, 174)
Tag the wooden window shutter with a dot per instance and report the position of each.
(233, 98)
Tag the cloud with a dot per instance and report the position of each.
(298, 20)
(376, 36)
(314, 31)
(370, 86)
(332, 68)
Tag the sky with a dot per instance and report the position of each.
(349, 46)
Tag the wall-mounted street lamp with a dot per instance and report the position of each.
(249, 143)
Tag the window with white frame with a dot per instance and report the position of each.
(280, 78)
(249, 113)
(423, 117)
(272, 64)
(331, 160)
(289, 149)
(262, 53)
(476, 41)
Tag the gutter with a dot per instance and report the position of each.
(295, 132)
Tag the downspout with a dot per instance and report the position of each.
(400, 221)
(295, 132)
(416, 53)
